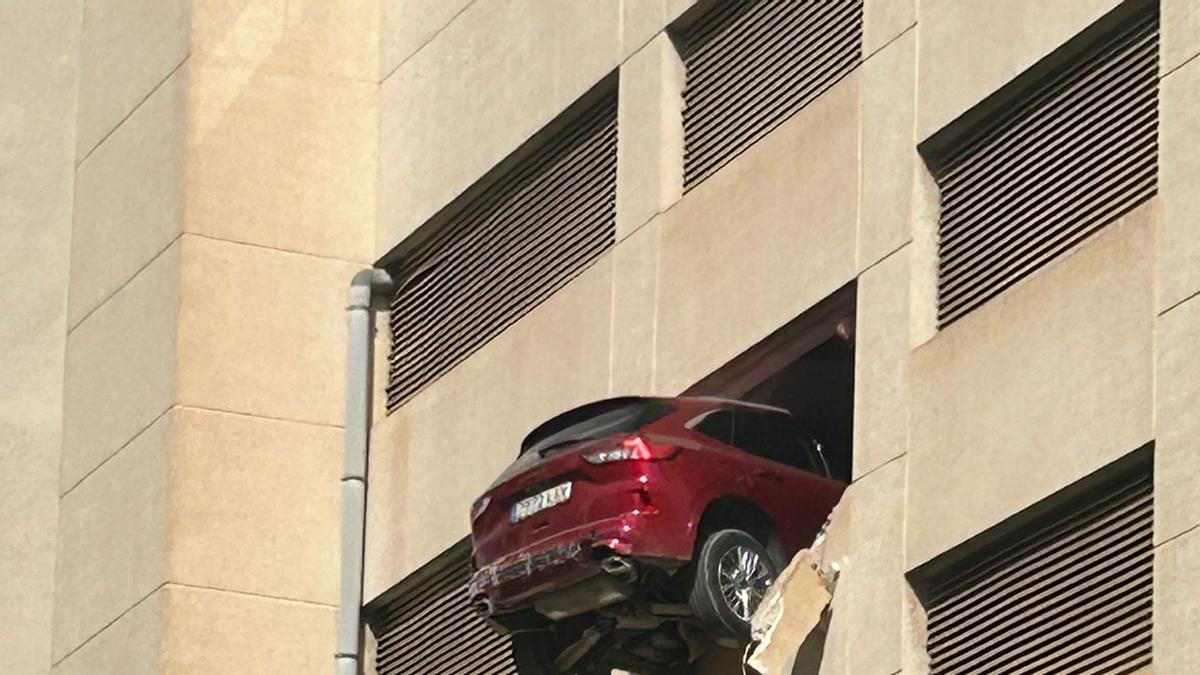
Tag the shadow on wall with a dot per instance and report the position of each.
(812, 650)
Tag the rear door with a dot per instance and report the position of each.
(793, 480)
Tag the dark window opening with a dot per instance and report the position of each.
(753, 64)
(522, 232)
(772, 435)
(422, 623)
(1047, 161)
(805, 367)
(775, 437)
(1066, 585)
(818, 388)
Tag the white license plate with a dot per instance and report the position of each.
(540, 502)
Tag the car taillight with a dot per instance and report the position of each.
(480, 506)
(632, 448)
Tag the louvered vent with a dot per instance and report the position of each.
(1072, 595)
(506, 250)
(1065, 161)
(752, 64)
(430, 630)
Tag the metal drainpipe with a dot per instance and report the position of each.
(369, 291)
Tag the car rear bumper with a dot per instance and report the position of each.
(567, 559)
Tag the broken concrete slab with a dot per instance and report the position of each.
(788, 630)
(794, 607)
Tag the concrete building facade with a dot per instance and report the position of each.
(190, 185)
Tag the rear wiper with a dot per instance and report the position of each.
(558, 444)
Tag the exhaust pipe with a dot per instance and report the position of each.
(482, 605)
(619, 567)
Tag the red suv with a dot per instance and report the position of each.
(628, 528)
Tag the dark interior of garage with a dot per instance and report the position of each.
(806, 367)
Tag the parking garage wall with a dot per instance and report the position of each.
(955, 430)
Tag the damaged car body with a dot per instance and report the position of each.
(633, 532)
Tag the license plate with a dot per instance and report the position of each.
(540, 502)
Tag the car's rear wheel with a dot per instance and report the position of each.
(733, 573)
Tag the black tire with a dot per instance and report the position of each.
(729, 618)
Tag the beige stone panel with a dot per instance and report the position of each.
(256, 505)
(460, 432)
(407, 25)
(131, 645)
(874, 570)
(881, 388)
(282, 161)
(835, 654)
(969, 49)
(587, 45)
(39, 51)
(642, 20)
(1178, 250)
(217, 632)
(370, 653)
(888, 150)
(305, 36)
(1177, 424)
(914, 657)
(488, 68)
(263, 331)
(120, 367)
(923, 296)
(128, 47)
(836, 551)
(1180, 33)
(672, 9)
(387, 480)
(494, 76)
(1039, 387)
(883, 20)
(129, 198)
(634, 311)
(650, 140)
(760, 241)
(112, 539)
(640, 23)
(1176, 604)
(838, 546)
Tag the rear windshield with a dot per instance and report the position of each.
(594, 421)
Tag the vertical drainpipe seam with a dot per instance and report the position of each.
(370, 290)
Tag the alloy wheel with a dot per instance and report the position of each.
(743, 577)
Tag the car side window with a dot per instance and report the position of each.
(717, 425)
(775, 437)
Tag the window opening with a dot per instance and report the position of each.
(805, 367)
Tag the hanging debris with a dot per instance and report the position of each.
(788, 630)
